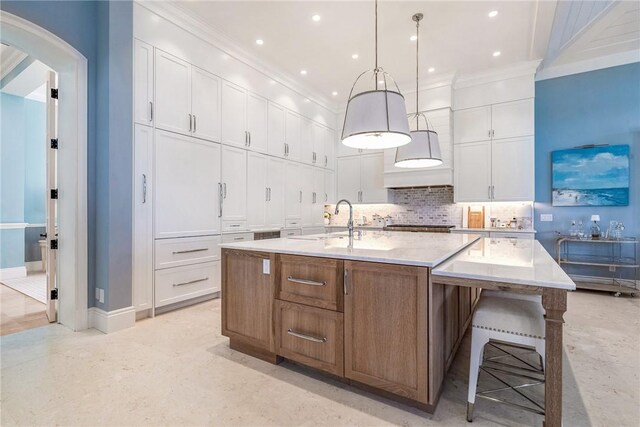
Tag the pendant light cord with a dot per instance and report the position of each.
(417, 69)
(376, 42)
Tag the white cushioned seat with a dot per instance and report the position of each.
(511, 316)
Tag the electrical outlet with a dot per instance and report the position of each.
(97, 293)
(546, 217)
(101, 299)
(266, 266)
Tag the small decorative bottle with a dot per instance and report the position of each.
(573, 230)
(580, 230)
(595, 228)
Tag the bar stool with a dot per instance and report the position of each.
(506, 319)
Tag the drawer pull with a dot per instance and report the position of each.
(190, 282)
(238, 238)
(306, 337)
(188, 251)
(305, 281)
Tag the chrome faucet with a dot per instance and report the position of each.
(350, 223)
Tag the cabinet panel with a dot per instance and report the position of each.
(311, 281)
(234, 183)
(143, 218)
(182, 283)
(173, 93)
(330, 149)
(473, 124)
(292, 135)
(234, 115)
(372, 179)
(512, 119)
(317, 210)
(329, 187)
(307, 205)
(306, 141)
(257, 191)
(472, 172)
(275, 182)
(319, 136)
(293, 191)
(143, 83)
(348, 171)
(257, 122)
(187, 194)
(185, 251)
(205, 104)
(276, 131)
(513, 169)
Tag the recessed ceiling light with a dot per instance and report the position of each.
(303, 72)
(381, 82)
(496, 53)
(413, 38)
(259, 42)
(316, 18)
(355, 56)
(493, 14)
(334, 93)
(431, 70)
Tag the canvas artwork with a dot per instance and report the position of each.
(597, 176)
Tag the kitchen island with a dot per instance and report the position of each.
(370, 308)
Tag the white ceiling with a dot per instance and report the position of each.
(28, 79)
(455, 36)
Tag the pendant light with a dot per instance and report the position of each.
(424, 149)
(376, 119)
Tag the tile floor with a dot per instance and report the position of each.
(177, 369)
(18, 312)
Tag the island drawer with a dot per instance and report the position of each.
(309, 335)
(182, 283)
(186, 250)
(311, 281)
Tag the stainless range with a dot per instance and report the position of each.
(416, 228)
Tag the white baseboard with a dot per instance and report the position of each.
(112, 321)
(13, 272)
(33, 266)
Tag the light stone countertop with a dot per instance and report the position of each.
(388, 247)
(517, 261)
(495, 229)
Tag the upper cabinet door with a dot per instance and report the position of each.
(234, 183)
(292, 135)
(330, 187)
(349, 178)
(329, 149)
(173, 93)
(205, 98)
(513, 169)
(306, 141)
(319, 138)
(187, 186)
(307, 208)
(317, 210)
(473, 124)
(276, 136)
(257, 118)
(258, 191)
(472, 172)
(234, 115)
(275, 183)
(292, 190)
(143, 83)
(512, 119)
(372, 179)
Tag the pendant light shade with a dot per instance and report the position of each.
(424, 149)
(376, 119)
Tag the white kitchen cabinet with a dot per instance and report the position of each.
(177, 284)
(348, 177)
(173, 93)
(473, 124)
(292, 135)
(234, 184)
(143, 218)
(205, 104)
(307, 205)
(512, 168)
(275, 130)
(257, 191)
(257, 118)
(306, 141)
(317, 210)
(187, 186)
(472, 172)
(276, 186)
(372, 188)
(512, 119)
(234, 115)
(330, 149)
(329, 187)
(143, 83)
(319, 137)
(293, 191)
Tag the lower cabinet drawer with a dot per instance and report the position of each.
(234, 225)
(293, 232)
(292, 223)
(311, 281)
(186, 250)
(311, 336)
(182, 283)
(237, 237)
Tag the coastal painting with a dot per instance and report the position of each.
(596, 176)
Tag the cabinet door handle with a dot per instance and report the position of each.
(150, 111)
(493, 192)
(238, 238)
(219, 199)
(246, 138)
(144, 188)
(313, 198)
(190, 122)
(326, 160)
(269, 193)
(489, 133)
(305, 281)
(266, 194)
(224, 190)
(300, 200)
(249, 132)
(493, 133)
(344, 282)
(306, 337)
(188, 251)
(489, 190)
(194, 123)
(326, 197)
(191, 282)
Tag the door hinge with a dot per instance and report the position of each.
(54, 93)
(54, 293)
(54, 143)
(54, 244)
(54, 193)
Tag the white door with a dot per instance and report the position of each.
(257, 118)
(472, 172)
(275, 183)
(205, 104)
(512, 119)
(142, 218)
(513, 169)
(306, 209)
(234, 115)
(306, 141)
(292, 190)
(257, 191)
(234, 184)
(472, 124)
(329, 187)
(318, 197)
(372, 179)
(52, 205)
(173, 93)
(319, 138)
(143, 83)
(275, 131)
(348, 177)
(187, 186)
(292, 135)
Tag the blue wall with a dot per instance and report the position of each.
(598, 107)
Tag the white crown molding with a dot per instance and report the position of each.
(431, 83)
(516, 70)
(176, 14)
(112, 321)
(592, 64)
